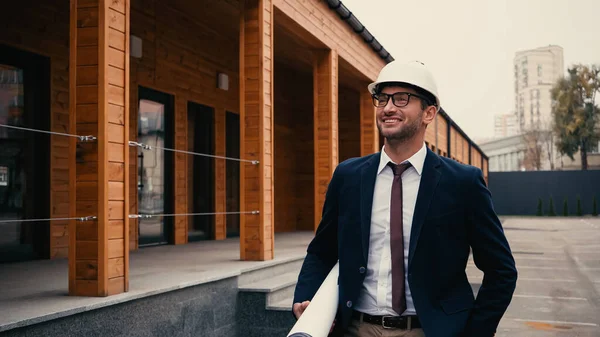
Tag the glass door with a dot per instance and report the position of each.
(24, 155)
(201, 122)
(155, 195)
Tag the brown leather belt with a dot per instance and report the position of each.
(390, 322)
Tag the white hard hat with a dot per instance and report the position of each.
(413, 72)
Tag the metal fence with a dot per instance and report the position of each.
(518, 193)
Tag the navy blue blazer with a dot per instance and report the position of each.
(453, 215)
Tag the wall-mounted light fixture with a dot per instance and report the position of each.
(223, 81)
(135, 46)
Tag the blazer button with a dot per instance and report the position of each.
(361, 270)
(349, 304)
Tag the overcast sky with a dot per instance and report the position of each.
(469, 45)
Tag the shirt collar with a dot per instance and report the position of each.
(417, 160)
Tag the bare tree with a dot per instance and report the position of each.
(539, 146)
(547, 141)
(532, 139)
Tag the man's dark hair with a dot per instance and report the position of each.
(429, 98)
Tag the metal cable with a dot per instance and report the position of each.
(150, 147)
(84, 218)
(82, 138)
(148, 216)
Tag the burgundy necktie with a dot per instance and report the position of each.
(397, 240)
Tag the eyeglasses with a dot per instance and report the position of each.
(399, 99)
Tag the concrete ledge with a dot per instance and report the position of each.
(273, 284)
(285, 305)
(35, 292)
(203, 310)
(101, 302)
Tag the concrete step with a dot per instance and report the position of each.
(276, 289)
(283, 305)
(262, 273)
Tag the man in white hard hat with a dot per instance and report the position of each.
(402, 223)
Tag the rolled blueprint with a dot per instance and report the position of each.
(318, 317)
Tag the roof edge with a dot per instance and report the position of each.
(346, 15)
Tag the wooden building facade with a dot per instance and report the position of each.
(280, 84)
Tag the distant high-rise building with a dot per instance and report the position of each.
(505, 125)
(536, 71)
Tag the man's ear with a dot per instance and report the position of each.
(429, 114)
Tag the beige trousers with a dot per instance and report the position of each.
(363, 329)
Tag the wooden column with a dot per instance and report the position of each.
(99, 106)
(325, 75)
(220, 175)
(180, 162)
(256, 130)
(369, 134)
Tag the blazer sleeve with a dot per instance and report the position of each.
(493, 256)
(322, 252)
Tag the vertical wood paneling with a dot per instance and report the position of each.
(220, 175)
(101, 187)
(72, 146)
(349, 128)
(182, 53)
(133, 167)
(294, 150)
(369, 134)
(256, 106)
(485, 170)
(325, 123)
(181, 171)
(125, 8)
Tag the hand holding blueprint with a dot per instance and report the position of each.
(318, 317)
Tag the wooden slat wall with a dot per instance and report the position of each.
(460, 149)
(453, 138)
(316, 17)
(256, 64)
(98, 254)
(181, 172)
(485, 170)
(349, 123)
(117, 137)
(475, 157)
(182, 52)
(326, 123)
(369, 134)
(220, 174)
(465, 150)
(133, 165)
(442, 134)
(21, 29)
(430, 133)
(293, 150)
(84, 248)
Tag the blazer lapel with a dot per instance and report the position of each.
(368, 174)
(429, 180)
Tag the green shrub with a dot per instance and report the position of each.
(551, 208)
(594, 208)
(540, 210)
(566, 208)
(579, 210)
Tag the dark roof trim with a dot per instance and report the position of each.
(452, 123)
(347, 16)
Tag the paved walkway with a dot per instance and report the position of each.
(558, 290)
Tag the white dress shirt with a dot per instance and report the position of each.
(375, 297)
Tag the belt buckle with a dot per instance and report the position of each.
(383, 322)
